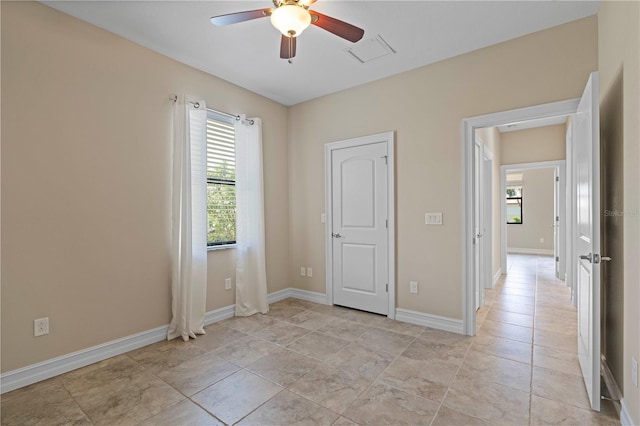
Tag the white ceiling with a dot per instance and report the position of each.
(247, 54)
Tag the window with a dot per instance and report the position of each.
(221, 180)
(514, 205)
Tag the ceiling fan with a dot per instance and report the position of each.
(291, 18)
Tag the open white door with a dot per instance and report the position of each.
(359, 213)
(587, 236)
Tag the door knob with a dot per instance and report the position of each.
(336, 235)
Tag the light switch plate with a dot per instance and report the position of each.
(634, 371)
(309, 272)
(413, 287)
(303, 271)
(434, 218)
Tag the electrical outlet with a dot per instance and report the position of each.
(433, 218)
(323, 218)
(40, 327)
(227, 283)
(309, 272)
(634, 371)
(303, 271)
(413, 287)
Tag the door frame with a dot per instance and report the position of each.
(469, 125)
(560, 166)
(389, 139)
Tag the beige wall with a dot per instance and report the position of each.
(425, 108)
(619, 65)
(534, 145)
(86, 169)
(491, 136)
(537, 213)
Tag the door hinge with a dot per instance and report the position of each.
(557, 179)
(557, 218)
(387, 288)
(557, 259)
(386, 223)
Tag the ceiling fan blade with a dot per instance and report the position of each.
(234, 18)
(337, 27)
(287, 47)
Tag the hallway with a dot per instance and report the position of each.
(528, 327)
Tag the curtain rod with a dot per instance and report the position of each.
(174, 98)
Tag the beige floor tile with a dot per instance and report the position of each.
(255, 322)
(400, 327)
(519, 308)
(344, 329)
(236, 396)
(424, 349)
(317, 345)
(284, 367)
(494, 369)
(343, 421)
(548, 412)
(506, 330)
(42, 386)
(119, 393)
(489, 401)
(382, 340)
(311, 320)
(552, 339)
(504, 348)
(426, 378)
(332, 388)
(246, 351)
(287, 408)
(554, 359)
(519, 291)
(281, 333)
(556, 314)
(510, 318)
(283, 311)
(182, 413)
(559, 386)
(217, 337)
(46, 404)
(365, 362)
(166, 354)
(559, 325)
(515, 299)
(198, 373)
(448, 417)
(384, 405)
(443, 337)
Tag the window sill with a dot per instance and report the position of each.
(224, 247)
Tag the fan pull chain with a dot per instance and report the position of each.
(290, 60)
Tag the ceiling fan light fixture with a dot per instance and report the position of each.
(290, 20)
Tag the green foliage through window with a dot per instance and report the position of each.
(221, 181)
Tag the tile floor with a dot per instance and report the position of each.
(310, 364)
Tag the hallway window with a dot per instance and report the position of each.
(514, 205)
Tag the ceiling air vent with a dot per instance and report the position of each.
(368, 50)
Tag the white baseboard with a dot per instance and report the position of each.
(33, 373)
(625, 417)
(496, 277)
(52, 367)
(543, 252)
(427, 320)
(309, 296)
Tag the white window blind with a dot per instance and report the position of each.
(221, 180)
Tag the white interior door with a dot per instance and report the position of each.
(556, 221)
(487, 220)
(586, 141)
(359, 227)
(477, 216)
